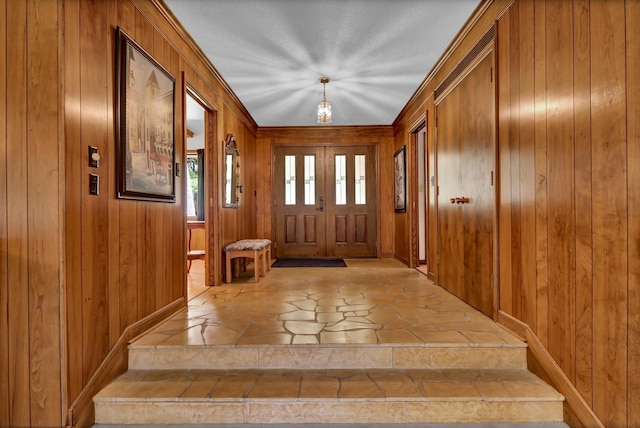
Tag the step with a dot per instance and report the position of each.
(328, 396)
(381, 356)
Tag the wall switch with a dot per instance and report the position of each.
(177, 169)
(94, 157)
(94, 184)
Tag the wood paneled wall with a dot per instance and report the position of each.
(569, 185)
(568, 143)
(421, 108)
(381, 136)
(76, 270)
(31, 214)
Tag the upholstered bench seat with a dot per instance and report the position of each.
(257, 249)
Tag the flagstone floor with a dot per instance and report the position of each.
(380, 301)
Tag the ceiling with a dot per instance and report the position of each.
(272, 53)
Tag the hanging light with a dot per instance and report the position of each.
(324, 107)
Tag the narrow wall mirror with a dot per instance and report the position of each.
(232, 187)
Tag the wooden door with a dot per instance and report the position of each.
(299, 203)
(325, 201)
(350, 201)
(465, 156)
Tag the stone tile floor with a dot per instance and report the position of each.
(380, 301)
(374, 339)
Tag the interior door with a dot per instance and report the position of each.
(465, 156)
(325, 201)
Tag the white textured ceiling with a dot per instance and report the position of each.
(273, 52)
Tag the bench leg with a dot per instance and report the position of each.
(228, 261)
(268, 257)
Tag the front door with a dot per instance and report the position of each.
(325, 201)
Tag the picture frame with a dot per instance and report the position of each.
(400, 180)
(145, 124)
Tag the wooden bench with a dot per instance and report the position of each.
(257, 249)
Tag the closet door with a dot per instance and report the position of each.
(465, 156)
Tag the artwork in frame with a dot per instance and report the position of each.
(145, 123)
(399, 180)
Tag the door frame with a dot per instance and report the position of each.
(376, 148)
(213, 264)
(414, 209)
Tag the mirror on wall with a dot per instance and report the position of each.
(232, 187)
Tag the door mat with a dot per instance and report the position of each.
(294, 263)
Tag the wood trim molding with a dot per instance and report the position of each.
(328, 132)
(541, 362)
(81, 413)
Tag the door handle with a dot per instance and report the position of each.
(321, 209)
(460, 200)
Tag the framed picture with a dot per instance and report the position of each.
(145, 123)
(400, 180)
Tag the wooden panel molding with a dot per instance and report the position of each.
(81, 411)
(310, 229)
(544, 365)
(341, 228)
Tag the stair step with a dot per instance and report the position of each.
(328, 396)
(396, 356)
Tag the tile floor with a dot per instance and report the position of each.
(377, 302)
(373, 342)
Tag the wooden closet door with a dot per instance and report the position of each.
(466, 204)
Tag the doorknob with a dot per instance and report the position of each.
(321, 209)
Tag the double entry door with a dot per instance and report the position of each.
(325, 201)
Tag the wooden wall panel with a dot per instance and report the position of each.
(560, 192)
(609, 210)
(4, 242)
(80, 271)
(93, 225)
(73, 187)
(109, 187)
(504, 179)
(568, 150)
(633, 160)
(541, 202)
(17, 206)
(576, 288)
(527, 183)
(584, 241)
(44, 215)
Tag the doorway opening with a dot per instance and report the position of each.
(422, 188)
(195, 196)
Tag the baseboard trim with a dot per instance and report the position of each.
(81, 413)
(577, 412)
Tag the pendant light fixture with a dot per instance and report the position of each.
(324, 107)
